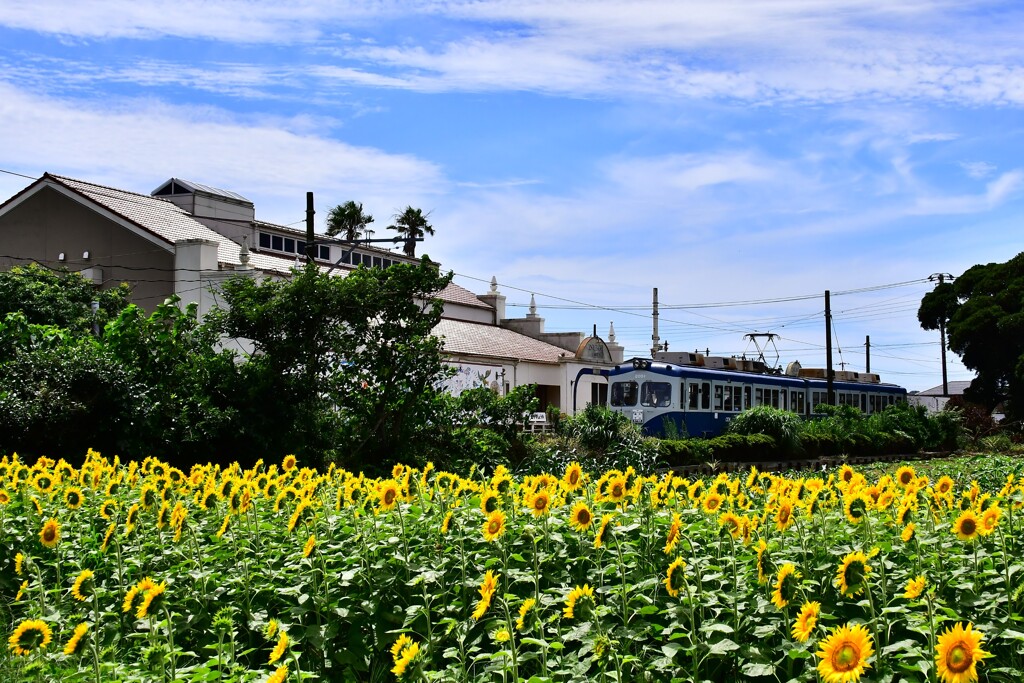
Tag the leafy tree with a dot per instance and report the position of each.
(348, 219)
(59, 297)
(983, 311)
(411, 224)
(344, 368)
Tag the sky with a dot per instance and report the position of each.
(741, 156)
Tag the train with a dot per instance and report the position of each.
(690, 394)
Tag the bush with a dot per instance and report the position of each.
(783, 426)
(743, 448)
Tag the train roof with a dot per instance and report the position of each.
(680, 370)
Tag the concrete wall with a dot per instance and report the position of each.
(49, 223)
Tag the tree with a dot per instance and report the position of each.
(345, 368)
(349, 220)
(59, 297)
(412, 225)
(983, 311)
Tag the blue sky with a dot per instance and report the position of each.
(586, 152)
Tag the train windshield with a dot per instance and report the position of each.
(656, 394)
(624, 393)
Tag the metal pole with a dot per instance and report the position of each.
(310, 240)
(829, 388)
(867, 353)
(654, 337)
(942, 337)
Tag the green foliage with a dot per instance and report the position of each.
(349, 364)
(412, 224)
(983, 311)
(59, 298)
(783, 426)
(348, 220)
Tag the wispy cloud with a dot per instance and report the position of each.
(978, 169)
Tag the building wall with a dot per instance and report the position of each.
(48, 223)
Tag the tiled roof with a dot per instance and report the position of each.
(167, 221)
(956, 388)
(455, 294)
(480, 339)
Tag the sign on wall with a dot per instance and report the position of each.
(471, 376)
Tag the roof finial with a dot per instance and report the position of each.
(611, 332)
(243, 253)
(533, 305)
(494, 285)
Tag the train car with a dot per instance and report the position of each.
(700, 399)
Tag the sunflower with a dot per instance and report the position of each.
(967, 526)
(599, 536)
(288, 464)
(908, 532)
(494, 525)
(914, 588)
(711, 503)
(905, 476)
(765, 566)
(539, 503)
(280, 647)
(674, 577)
(490, 500)
(132, 518)
(82, 586)
(856, 507)
(49, 535)
(524, 609)
(846, 474)
(403, 642)
(73, 497)
(224, 526)
(43, 482)
(388, 495)
(76, 638)
(673, 533)
(853, 574)
(581, 517)
(957, 654)
(405, 658)
(617, 489)
(806, 620)
(573, 602)
(487, 589)
(990, 520)
(844, 654)
(786, 583)
(944, 485)
(150, 600)
(21, 590)
(280, 675)
(19, 563)
(784, 515)
(31, 634)
(572, 480)
(307, 550)
(446, 524)
(5, 497)
(732, 523)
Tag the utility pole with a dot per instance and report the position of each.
(655, 346)
(941, 277)
(310, 241)
(867, 353)
(829, 388)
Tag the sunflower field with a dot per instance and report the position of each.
(142, 572)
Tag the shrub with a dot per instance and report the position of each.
(783, 426)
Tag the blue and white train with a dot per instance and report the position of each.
(700, 400)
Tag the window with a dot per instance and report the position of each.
(733, 399)
(264, 240)
(289, 245)
(376, 262)
(705, 395)
(656, 394)
(759, 396)
(277, 242)
(346, 257)
(387, 263)
(796, 402)
(746, 397)
(863, 403)
(624, 393)
(325, 252)
(300, 247)
(694, 389)
(719, 394)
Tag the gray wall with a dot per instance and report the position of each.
(48, 223)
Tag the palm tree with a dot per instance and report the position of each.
(412, 225)
(348, 219)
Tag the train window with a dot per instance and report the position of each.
(797, 402)
(784, 399)
(694, 390)
(746, 397)
(719, 398)
(733, 399)
(759, 397)
(705, 395)
(656, 394)
(624, 393)
(863, 403)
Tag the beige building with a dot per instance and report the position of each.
(185, 238)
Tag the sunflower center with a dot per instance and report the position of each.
(846, 657)
(493, 527)
(968, 527)
(540, 503)
(583, 517)
(574, 477)
(389, 496)
(959, 659)
(49, 534)
(617, 490)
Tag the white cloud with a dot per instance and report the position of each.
(996, 193)
(978, 169)
(135, 144)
